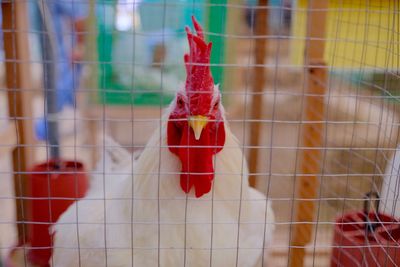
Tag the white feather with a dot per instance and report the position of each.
(390, 200)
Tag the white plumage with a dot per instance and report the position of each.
(390, 193)
(159, 225)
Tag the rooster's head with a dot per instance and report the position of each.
(195, 127)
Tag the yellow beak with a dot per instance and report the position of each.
(198, 123)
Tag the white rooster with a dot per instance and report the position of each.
(187, 202)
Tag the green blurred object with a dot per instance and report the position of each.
(386, 84)
(141, 48)
(217, 26)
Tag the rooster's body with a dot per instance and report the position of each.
(165, 213)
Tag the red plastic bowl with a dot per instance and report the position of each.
(54, 186)
(354, 246)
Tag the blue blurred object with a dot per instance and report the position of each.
(41, 126)
(67, 74)
(278, 16)
(275, 15)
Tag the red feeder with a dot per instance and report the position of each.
(54, 186)
(359, 241)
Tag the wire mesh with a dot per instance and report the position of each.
(117, 177)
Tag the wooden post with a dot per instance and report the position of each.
(307, 184)
(18, 82)
(259, 78)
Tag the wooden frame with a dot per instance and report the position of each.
(18, 83)
(307, 183)
(261, 29)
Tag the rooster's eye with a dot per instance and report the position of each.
(216, 104)
(180, 102)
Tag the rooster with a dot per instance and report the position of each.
(187, 201)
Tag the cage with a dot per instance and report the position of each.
(260, 135)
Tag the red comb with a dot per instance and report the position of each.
(197, 62)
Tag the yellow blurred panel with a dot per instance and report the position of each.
(359, 34)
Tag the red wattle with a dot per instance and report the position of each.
(197, 164)
(196, 156)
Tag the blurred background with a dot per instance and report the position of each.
(109, 67)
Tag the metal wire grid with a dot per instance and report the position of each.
(338, 87)
(386, 133)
